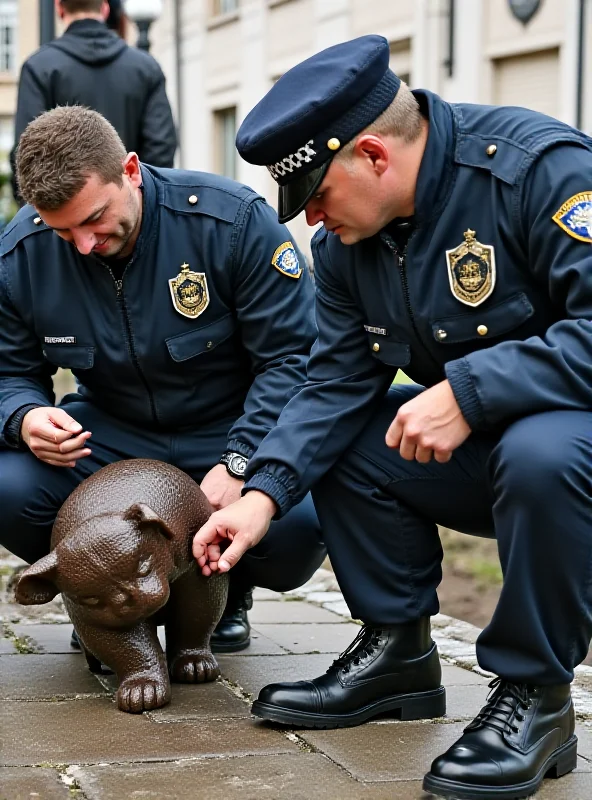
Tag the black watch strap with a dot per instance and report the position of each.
(235, 463)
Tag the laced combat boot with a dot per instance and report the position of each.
(522, 734)
(391, 670)
(233, 632)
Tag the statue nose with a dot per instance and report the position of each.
(122, 597)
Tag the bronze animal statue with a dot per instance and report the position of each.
(121, 557)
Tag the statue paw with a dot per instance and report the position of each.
(193, 666)
(143, 693)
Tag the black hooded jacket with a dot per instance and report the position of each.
(91, 66)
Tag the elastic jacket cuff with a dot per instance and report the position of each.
(12, 429)
(240, 447)
(271, 486)
(460, 379)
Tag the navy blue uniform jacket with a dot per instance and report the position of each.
(134, 354)
(527, 348)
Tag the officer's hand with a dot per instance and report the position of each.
(54, 437)
(430, 425)
(236, 528)
(220, 488)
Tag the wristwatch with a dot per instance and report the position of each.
(235, 463)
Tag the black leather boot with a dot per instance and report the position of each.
(521, 735)
(394, 670)
(75, 641)
(233, 632)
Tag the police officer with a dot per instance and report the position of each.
(182, 307)
(456, 246)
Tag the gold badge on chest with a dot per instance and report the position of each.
(189, 291)
(471, 270)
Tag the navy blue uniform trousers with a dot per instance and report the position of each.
(32, 492)
(530, 487)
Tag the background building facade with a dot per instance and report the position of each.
(221, 56)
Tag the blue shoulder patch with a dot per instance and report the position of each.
(286, 261)
(575, 216)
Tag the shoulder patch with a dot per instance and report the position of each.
(575, 216)
(286, 261)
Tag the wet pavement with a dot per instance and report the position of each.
(62, 737)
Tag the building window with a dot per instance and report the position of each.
(400, 59)
(8, 23)
(223, 7)
(225, 133)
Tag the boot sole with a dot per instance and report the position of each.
(559, 763)
(230, 647)
(420, 705)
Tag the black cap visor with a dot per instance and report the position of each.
(295, 195)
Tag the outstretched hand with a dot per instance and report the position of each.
(429, 426)
(229, 533)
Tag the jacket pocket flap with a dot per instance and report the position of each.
(484, 323)
(395, 354)
(70, 356)
(202, 340)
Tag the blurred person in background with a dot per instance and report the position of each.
(90, 65)
(117, 21)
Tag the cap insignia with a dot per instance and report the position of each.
(294, 161)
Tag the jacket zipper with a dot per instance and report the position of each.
(401, 256)
(130, 342)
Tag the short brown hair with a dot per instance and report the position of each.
(59, 151)
(77, 6)
(401, 118)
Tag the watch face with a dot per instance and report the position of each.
(238, 464)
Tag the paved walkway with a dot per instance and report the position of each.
(62, 737)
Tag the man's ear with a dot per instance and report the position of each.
(131, 168)
(373, 149)
(36, 584)
(145, 518)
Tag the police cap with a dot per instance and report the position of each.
(312, 111)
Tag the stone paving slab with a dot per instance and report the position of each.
(47, 638)
(94, 731)
(251, 673)
(463, 702)
(289, 611)
(584, 734)
(32, 783)
(195, 701)
(455, 676)
(7, 647)
(298, 638)
(385, 751)
(36, 677)
(294, 777)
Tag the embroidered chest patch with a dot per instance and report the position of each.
(575, 216)
(471, 270)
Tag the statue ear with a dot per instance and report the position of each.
(146, 518)
(36, 584)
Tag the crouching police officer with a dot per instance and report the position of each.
(456, 245)
(183, 309)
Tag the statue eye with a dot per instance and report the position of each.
(144, 567)
(90, 601)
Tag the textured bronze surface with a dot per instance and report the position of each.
(121, 557)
